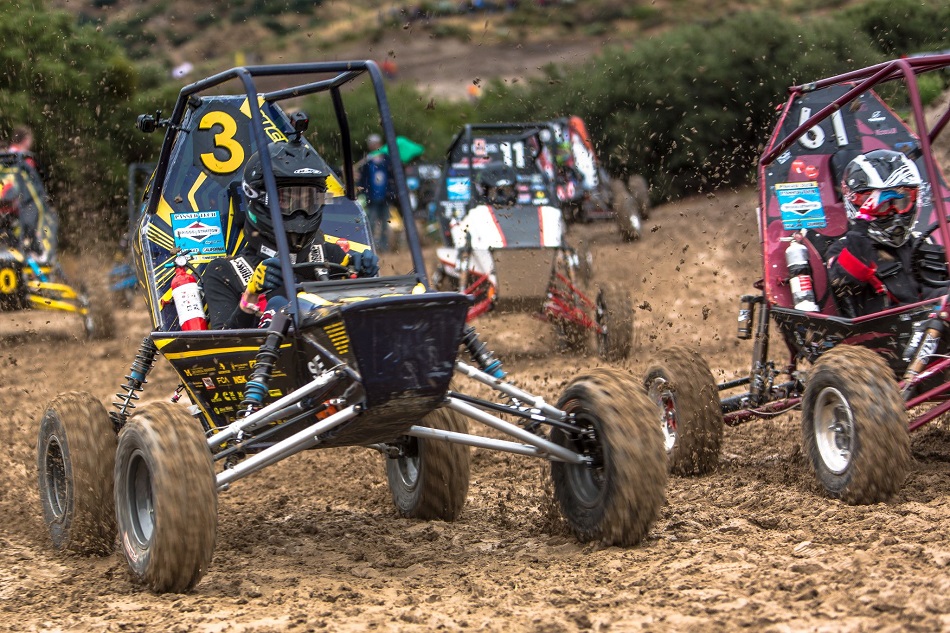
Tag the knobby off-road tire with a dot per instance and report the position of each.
(614, 312)
(166, 498)
(431, 480)
(680, 382)
(625, 211)
(75, 450)
(99, 321)
(854, 426)
(618, 497)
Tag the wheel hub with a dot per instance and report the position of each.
(141, 505)
(834, 429)
(661, 394)
(57, 484)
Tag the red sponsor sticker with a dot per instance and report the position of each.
(798, 166)
(344, 244)
(811, 171)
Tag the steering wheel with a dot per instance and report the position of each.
(929, 260)
(331, 270)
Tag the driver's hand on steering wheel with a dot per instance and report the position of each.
(266, 277)
(366, 263)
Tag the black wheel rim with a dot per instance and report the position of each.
(57, 484)
(587, 481)
(140, 506)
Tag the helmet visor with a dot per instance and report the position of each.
(293, 199)
(883, 202)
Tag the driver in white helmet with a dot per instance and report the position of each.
(870, 268)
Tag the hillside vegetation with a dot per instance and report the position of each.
(687, 102)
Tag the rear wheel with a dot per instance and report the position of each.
(614, 316)
(165, 498)
(625, 211)
(76, 447)
(99, 322)
(854, 426)
(680, 382)
(640, 192)
(430, 479)
(618, 495)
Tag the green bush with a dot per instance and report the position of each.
(74, 88)
(902, 27)
(689, 109)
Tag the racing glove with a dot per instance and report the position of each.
(365, 263)
(266, 277)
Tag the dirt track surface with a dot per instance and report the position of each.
(315, 543)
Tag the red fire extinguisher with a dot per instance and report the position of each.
(191, 313)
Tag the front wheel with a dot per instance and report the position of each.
(680, 382)
(854, 426)
(165, 498)
(618, 494)
(429, 480)
(76, 448)
(614, 317)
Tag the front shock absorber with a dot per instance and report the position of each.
(134, 381)
(482, 355)
(257, 384)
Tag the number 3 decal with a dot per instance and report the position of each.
(223, 139)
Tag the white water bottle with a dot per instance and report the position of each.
(799, 272)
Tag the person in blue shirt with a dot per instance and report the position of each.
(375, 177)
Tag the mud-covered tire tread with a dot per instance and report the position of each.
(636, 473)
(624, 207)
(99, 323)
(184, 493)
(444, 470)
(640, 192)
(881, 455)
(89, 445)
(699, 414)
(618, 317)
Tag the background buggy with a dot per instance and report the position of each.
(515, 256)
(365, 362)
(585, 189)
(856, 380)
(30, 274)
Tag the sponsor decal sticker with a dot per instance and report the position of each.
(199, 232)
(800, 205)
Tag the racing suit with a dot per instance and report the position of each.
(225, 279)
(868, 277)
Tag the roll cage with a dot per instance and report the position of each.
(267, 123)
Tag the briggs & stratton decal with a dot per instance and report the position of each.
(800, 204)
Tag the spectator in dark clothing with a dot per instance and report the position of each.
(240, 289)
(870, 267)
(375, 181)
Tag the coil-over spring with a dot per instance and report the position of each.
(144, 360)
(482, 355)
(257, 385)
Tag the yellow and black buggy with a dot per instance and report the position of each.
(371, 362)
(30, 274)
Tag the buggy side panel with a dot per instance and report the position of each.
(801, 189)
(214, 367)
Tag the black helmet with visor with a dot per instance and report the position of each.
(301, 177)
